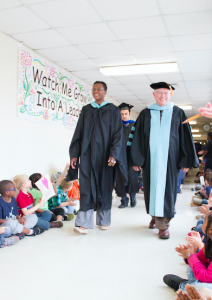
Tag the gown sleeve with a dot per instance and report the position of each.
(118, 149)
(137, 149)
(188, 157)
(75, 147)
(117, 135)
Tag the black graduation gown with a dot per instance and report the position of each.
(133, 185)
(181, 154)
(98, 135)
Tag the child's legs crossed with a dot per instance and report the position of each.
(31, 221)
(15, 226)
(45, 215)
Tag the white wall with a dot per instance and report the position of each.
(26, 146)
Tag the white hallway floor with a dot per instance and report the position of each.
(126, 262)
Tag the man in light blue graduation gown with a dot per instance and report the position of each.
(162, 145)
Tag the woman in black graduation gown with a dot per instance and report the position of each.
(99, 143)
(161, 146)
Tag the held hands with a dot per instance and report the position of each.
(204, 209)
(185, 250)
(206, 111)
(73, 162)
(21, 220)
(185, 170)
(195, 239)
(2, 229)
(111, 161)
(71, 201)
(192, 294)
(136, 168)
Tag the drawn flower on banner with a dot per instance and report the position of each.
(47, 69)
(65, 119)
(33, 89)
(71, 82)
(46, 115)
(52, 72)
(21, 101)
(71, 121)
(26, 59)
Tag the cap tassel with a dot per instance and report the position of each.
(172, 93)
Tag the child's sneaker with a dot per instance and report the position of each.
(21, 235)
(36, 230)
(56, 224)
(70, 217)
(11, 241)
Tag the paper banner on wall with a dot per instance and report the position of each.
(47, 93)
(46, 187)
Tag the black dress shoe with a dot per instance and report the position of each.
(123, 205)
(173, 281)
(133, 202)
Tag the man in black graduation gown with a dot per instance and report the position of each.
(133, 187)
(99, 143)
(161, 146)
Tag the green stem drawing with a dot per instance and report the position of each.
(37, 60)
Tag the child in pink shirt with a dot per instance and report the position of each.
(199, 271)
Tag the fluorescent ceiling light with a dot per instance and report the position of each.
(193, 122)
(185, 107)
(196, 135)
(140, 69)
(194, 130)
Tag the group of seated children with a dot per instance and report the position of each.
(202, 190)
(29, 214)
(197, 253)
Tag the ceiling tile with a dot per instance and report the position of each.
(155, 58)
(95, 74)
(117, 87)
(8, 4)
(150, 45)
(23, 20)
(34, 1)
(71, 12)
(193, 23)
(200, 84)
(133, 79)
(197, 76)
(196, 68)
(119, 93)
(170, 78)
(180, 96)
(91, 33)
(194, 56)
(192, 90)
(182, 6)
(124, 98)
(63, 53)
(141, 86)
(114, 61)
(144, 94)
(79, 65)
(138, 28)
(192, 42)
(200, 95)
(108, 49)
(125, 9)
(109, 80)
(42, 39)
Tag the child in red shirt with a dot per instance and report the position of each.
(25, 201)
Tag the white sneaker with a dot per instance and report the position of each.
(200, 217)
(81, 231)
(103, 227)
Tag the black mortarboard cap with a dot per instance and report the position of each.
(162, 85)
(125, 106)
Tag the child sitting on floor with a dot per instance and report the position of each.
(9, 216)
(203, 192)
(61, 200)
(25, 202)
(57, 214)
(5, 240)
(200, 264)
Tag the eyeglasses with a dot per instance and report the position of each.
(10, 190)
(98, 90)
